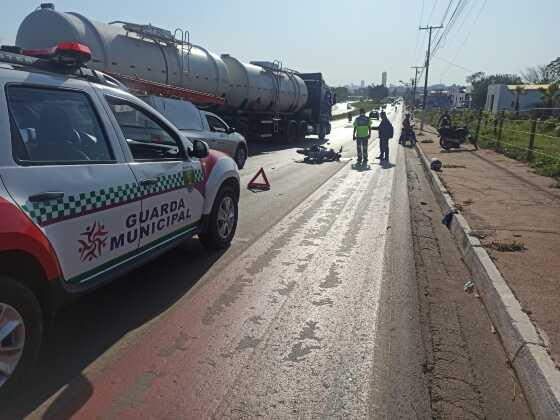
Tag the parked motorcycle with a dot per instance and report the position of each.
(453, 137)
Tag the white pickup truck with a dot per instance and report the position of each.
(201, 125)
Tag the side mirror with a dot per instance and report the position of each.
(230, 130)
(199, 149)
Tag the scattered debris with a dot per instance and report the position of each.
(467, 202)
(426, 141)
(450, 166)
(468, 287)
(423, 203)
(448, 217)
(479, 235)
(492, 329)
(527, 311)
(507, 246)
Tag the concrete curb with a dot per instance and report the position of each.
(524, 347)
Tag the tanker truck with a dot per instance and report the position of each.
(261, 99)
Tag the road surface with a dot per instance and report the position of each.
(312, 313)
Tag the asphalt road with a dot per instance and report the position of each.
(311, 313)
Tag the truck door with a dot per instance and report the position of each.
(70, 176)
(170, 182)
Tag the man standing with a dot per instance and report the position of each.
(362, 133)
(385, 133)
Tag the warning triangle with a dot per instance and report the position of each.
(263, 186)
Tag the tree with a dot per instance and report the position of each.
(518, 91)
(540, 74)
(377, 92)
(553, 69)
(480, 82)
(341, 93)
(551, 95)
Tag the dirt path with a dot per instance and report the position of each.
(516, 214)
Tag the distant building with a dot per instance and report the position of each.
(384, 79)
(363, 84)
(459, 96)
(437, 99)
(509, 97)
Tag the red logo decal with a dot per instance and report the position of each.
(93, 243)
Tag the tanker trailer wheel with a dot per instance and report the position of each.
(292, 132)
(21, 330)
(302, 130)
(322, 132)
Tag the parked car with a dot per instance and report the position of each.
(374, 115)
(93, 183)
(202, 125)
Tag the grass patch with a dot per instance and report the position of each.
(514, 142)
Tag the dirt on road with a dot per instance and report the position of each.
(516, 215)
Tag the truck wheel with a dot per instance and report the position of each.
(322, 132)
(223, 221)
(292, 132)
(302, 130)
(21, 330)
(240, 156)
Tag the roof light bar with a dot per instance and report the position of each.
(66, 53)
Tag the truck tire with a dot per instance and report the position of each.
(240, 156)
(222, 221)
(292, 132)
(21, 321)
(302, 130)
(322, 132)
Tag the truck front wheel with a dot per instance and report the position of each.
(222, 221)
(21, 330)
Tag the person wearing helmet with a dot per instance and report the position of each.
(445, 120)
(385, 129)
(362, 133)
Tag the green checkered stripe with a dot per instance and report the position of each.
(70, 206)
(198, 175)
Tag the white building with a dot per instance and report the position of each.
(507, 97)
(460, 96)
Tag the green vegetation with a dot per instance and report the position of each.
(367, 105)
(515, 135)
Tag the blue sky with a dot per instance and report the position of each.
(347, 41)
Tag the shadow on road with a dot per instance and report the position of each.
(87, 328)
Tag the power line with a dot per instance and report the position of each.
(451, 63)
(450, 24)
(418, 33)
(459, 50)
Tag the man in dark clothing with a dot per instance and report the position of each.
(407, 131)
(385, 129)
(445, 120)
(362, 133)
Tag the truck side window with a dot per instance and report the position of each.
(53, 126)
(147, 138)
(215, 124)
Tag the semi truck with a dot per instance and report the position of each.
(261, 99)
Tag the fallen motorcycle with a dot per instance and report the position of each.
(319, 154)
(453, 137)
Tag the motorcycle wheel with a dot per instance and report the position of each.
(444, 144)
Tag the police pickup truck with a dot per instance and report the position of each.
(93, 183)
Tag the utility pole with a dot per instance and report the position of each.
(416, 68)
(428, 28)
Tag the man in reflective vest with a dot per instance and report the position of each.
(362, 133)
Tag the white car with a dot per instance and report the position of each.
(202, 125)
